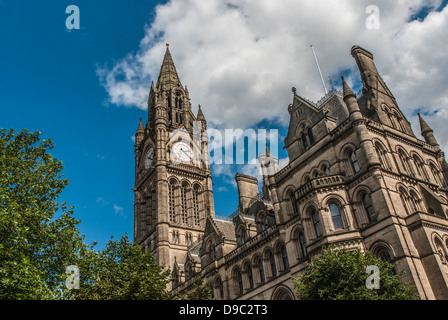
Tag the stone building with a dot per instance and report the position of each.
(358, 177)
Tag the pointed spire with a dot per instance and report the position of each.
(427, 132)
(168, 74)
(268, 152)
(200, 115)
(140, 128)
(346, 89)
(424, 127)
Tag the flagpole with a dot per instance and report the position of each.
(320, 72)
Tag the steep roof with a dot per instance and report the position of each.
(168, 74)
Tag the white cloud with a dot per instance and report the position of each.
(240, 59)
(118, 210)
(102, 202)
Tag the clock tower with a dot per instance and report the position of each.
(173, 187)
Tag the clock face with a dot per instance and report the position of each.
(181, 151)
(149, 157)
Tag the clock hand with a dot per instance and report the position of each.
(186, 153)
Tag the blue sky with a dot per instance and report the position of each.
(239, 62)
(49, 84)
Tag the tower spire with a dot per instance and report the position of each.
(347, 91)
(427, 132)
(168, 74)
(200, 116)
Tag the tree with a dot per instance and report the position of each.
(339, 274)
(121, 271)
(198, 291)
(38, 235)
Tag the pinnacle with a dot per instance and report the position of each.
(168, 74)
(424, 127)
(140, 128)
(268, 152)
(200, 115)
(346, 89)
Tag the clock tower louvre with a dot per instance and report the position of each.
(173, 191)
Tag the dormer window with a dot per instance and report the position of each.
(307, 137)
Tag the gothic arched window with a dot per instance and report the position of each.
(311, 136)
(261, 270)
(304, 141)
(250, 276)
(420, 166)
(196, 217)
(302, 244)
(368, 207)
(325, 171)
(382, 156)
(404, 199)
(239, 281)
(284, 254)
(171, 201)
(184, 211)
(354, 162)
(272, 263)
(404, 161)
(336, 217)
(316, 222)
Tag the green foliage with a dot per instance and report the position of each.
(200, 291)
(122, 271)
(38, 235)
(341, 275)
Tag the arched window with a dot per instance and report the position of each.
(302, 244)
(196, 205)
(176, 280)
(243, 235)
(368, 206)
(437, 176)
(171, 201)
(404, 161)
(211, 251)
(440, 250)
(392, 120)
(304, 141)
(401, 123)
(262, 221)
(354, 162)
(336, 217)
(415, 202)
(261, 270)
(316, 223)
(284, 254)
(311, 136)
(382, 156)
(184, 212)
(219, 288)
(325, 171)
(189, 271)
(272, 263)
(404, 199)
(290, 203)
(250, 276)
(420, 166)
(239, 282)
